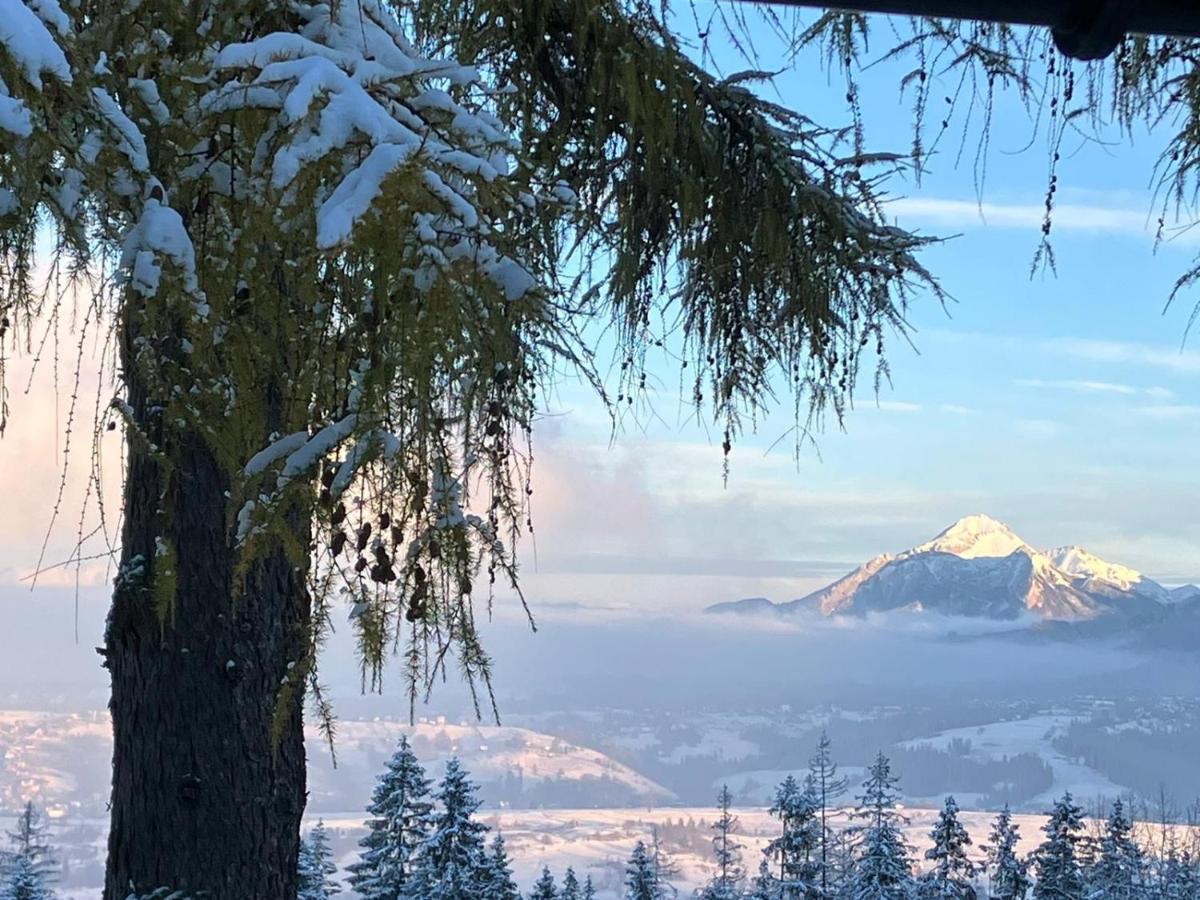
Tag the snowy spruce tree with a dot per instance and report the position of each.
(400, 819)
(828, 787)
(454, 863)
(544, 888)
(571, 889)
(1178, 876)
(496, 882)
(21, 880)
(1119, 872)
(589, 890)
(1008, 875)
(764, 885)
(794, 852)
(727, 853)
(316, 866)
(324, 246)
(641, 880)
(952, 871)
(882, 870)
(664, 867)
(1056, 860)
(30, 840)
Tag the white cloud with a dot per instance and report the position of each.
(1093, 387)
(1177, 360)
(1085, 217)
(1097, 387)
(898, 406)
(955, 410)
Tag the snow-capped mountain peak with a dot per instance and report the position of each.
(1097, 572)
(1077, 561)
(974, 537)
(978, 567)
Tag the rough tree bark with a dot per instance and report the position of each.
(206, 799)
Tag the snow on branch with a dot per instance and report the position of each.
(350, 92)
(159, 234)
(26, 39)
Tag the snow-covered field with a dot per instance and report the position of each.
(998, 740)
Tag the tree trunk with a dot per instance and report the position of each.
(208, 781)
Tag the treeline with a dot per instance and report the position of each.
(871, 860)
(1144, 757)
(425, 844)
(28, 867)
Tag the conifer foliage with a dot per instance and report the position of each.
(727, 853)
(497, 882)
(952, 872)
(317, 866)
(28, 872)
(453, 863)
(882, 869)
(571, 889)
(1007, 872)
(22, 882)
(545, 889)
(399, 825)
(1119, 872)
(794, 851)
(1056, 860)
(641, 875)
(828, 787)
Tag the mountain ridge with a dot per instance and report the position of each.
(978, 567)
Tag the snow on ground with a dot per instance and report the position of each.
(758, 786)
(1033, 735)
(721, 743)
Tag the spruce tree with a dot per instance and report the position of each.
(316, 866)
(453, 864)
(952, 872)
(589, 891)
(545, 888)
(828, 786)
(795, 851)
(663, 867)
(765, 885)
(1119, 871)
(1056, 860)
(1178, 876)
(882, 870)
(497, 882)
(727, 853)
(30, 838)
(399, 823)
(1008, 874)
(571, 889)
(640, 880)
(23, 881)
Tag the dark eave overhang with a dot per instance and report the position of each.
(1083, 29)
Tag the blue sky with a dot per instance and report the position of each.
(1065, 404)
